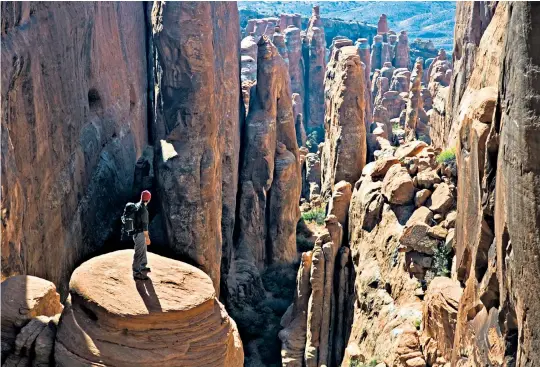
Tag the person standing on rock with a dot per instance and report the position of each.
(141, 238)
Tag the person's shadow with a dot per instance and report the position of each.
(148, 295)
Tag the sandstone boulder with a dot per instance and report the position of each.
(382, 166)
(172, 319)
(410, 149)
(442, 199)
(415, 238)
(26, 299)
(450, 220)
(398, 186)
(427, 179)
(438, 232)
(421, 214)
(421, 197)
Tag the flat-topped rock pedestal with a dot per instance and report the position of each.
(171, 319)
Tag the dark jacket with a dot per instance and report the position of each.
(142, 218)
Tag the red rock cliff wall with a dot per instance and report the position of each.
(231, 113)
(196, 125)
(73, 124)
(472, 19)
(500, 304)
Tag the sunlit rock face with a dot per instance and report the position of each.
(109, 316)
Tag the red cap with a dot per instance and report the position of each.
(145, 195)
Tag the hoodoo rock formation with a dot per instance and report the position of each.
(348, 207)
(414, 104)
(270, 161)
(270, 184)
(315, 71)
(344, 151)
(173, 318)
(293, 41)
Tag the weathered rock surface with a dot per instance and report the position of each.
(397, 186)
(497, 216)
(315, 64)
(74, 97)
(296, 60)
(365, 57)
(478, 45)
(414, 105)
(386, 309)
(28, 303)
(294, 322)
(345, 148)
(401, 59)
(192, 109)
(174, 318)
(283, 206)
(269, 125)
(339, 202)
(439, 320)
(442, 199)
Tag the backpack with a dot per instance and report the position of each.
(130, 220)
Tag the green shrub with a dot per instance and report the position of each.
(447, 156)
(395, 126)
(441, 262)
(417, 323)
(316, 215)
(357, 363)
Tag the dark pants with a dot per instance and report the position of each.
(139, 258)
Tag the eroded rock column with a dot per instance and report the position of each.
(344, 151)
(315, 71)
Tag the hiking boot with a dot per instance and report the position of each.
(139, 276)
(147, 269)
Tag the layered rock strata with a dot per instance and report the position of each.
(175, 315)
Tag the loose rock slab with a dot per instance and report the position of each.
(172, 319)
